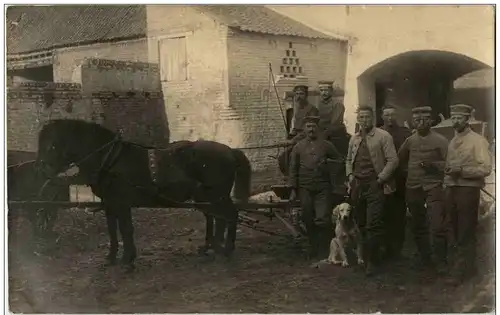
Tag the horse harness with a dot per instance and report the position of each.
(153, 164)
(113, 155)
(110, 159)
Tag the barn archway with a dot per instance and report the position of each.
(415, 78)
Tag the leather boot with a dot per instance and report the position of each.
(372, 252)
(324, 239)
(312, 233)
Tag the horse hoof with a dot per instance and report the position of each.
(203, 250)
(228, 253)
(110, 261)
(128, 268)
(219, 250)
(106, 265)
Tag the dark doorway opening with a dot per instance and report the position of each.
(415, 78)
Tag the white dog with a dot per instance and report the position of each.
(346, 233)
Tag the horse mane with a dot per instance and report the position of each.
(71, 125)
(76, 125)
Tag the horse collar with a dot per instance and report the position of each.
(153, 164)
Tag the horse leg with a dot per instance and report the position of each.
(127, 231)
(112, 223)
(232, 226)
(220, 230)
(209, 234)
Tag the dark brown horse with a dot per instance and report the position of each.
(126, 175)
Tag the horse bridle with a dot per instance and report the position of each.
(106, 163)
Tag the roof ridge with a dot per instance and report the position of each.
(287, 25)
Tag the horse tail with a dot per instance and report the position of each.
(242, 181)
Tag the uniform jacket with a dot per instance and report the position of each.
(382, 152)
(430, 149)
(331, 114)
(468, 150)
(298, 120)
(399, 134)
(308, 164)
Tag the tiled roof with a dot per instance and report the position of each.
(258, 18)
(37, 28)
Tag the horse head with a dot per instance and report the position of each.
(63, 143)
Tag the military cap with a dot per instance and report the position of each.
(422, 110)
(325, 83)
(304, 88)
(311, 119)
(461, 109)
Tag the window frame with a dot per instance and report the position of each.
(159, 39)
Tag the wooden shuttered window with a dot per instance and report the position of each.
(173, 59)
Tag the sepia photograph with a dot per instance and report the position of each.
(250, 158)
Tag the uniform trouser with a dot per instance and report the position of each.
(395, 222)
(463, 207)
(429, 222)
(368, 200)
(316, 214)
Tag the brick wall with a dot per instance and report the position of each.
(140, 116)
(126, 95)
(191, 104)
(120, 95)
(31, 104)
(67, 60)
(252, 103)
(97, 74)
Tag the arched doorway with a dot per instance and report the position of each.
(415, 78)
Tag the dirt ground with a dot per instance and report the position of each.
(267, 275)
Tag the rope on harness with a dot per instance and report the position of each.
(50, 179)
(112, 142)
(20, 164)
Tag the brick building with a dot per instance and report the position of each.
(214, 68)
(213, 62)
(48, 43)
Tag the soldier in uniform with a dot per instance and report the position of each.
(302, 108)
(424, 155)
(370, 164)
(395, 207)
(467, 165)
(311, 181)
(331, 113)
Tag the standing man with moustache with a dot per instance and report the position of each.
(395, 207)
(468, 163)
(311, 181)
(370, 164)
(302, 109)
(331, 113)
(424, 154)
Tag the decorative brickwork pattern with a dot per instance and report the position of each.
(261, 121)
